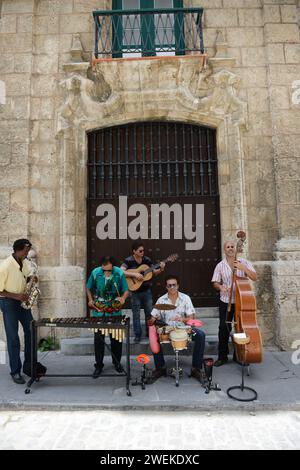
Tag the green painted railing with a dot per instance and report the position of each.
(148, 32)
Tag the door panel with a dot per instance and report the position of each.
(157, 163)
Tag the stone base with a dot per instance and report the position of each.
(286, 286)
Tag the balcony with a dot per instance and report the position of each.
(148, 33)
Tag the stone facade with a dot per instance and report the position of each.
(249, 92)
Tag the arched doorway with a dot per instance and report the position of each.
(133, 170)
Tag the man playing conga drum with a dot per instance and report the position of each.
(183, 312)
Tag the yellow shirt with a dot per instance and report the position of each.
(11, 278)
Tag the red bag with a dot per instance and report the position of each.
(153, 340)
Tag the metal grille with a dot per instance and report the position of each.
(148, 31)
(158, 163)
(154, 159)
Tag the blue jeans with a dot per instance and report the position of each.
(13, 313)
(141, 300)
(199, 338)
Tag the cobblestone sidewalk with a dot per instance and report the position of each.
(144, 430)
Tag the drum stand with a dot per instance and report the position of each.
(208, 368)
(146, 376)
(176, 371)
(252, 395)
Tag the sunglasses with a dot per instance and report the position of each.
(107, 270)
(169, 286)
(141, 251)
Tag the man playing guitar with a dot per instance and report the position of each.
(142, 297)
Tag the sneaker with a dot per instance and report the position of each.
(18, 379)
(97, 372)
(157, 373)
(198, 374)
(220, 362)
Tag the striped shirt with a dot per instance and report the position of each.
(223, 275)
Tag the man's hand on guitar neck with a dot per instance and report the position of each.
(160, 269)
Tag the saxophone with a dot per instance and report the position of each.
(32, 289)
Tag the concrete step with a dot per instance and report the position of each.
(85, 347)
(201, 312)
(210, 327)
(209, 316)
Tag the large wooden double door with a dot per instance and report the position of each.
(156, 181)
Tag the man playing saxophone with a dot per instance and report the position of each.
(15, 272)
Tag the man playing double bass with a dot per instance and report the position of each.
(222, 282)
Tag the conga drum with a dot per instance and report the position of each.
(179, 339)
(164, 334)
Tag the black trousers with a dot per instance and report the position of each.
(116, 349)
(224, 329)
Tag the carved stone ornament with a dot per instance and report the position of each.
(82, 98)
(170, 84)
(223, 99)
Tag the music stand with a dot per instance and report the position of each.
(253, 394)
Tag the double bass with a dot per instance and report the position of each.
(248, 347)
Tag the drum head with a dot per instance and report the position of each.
(178, 335)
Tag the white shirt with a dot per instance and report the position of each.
(184, 307)
(223, 275)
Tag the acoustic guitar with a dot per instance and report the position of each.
(147, 272)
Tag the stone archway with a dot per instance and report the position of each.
(92, 104)
(121, 92)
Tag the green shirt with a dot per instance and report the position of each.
(97, 282)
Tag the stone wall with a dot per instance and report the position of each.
(249, 93)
